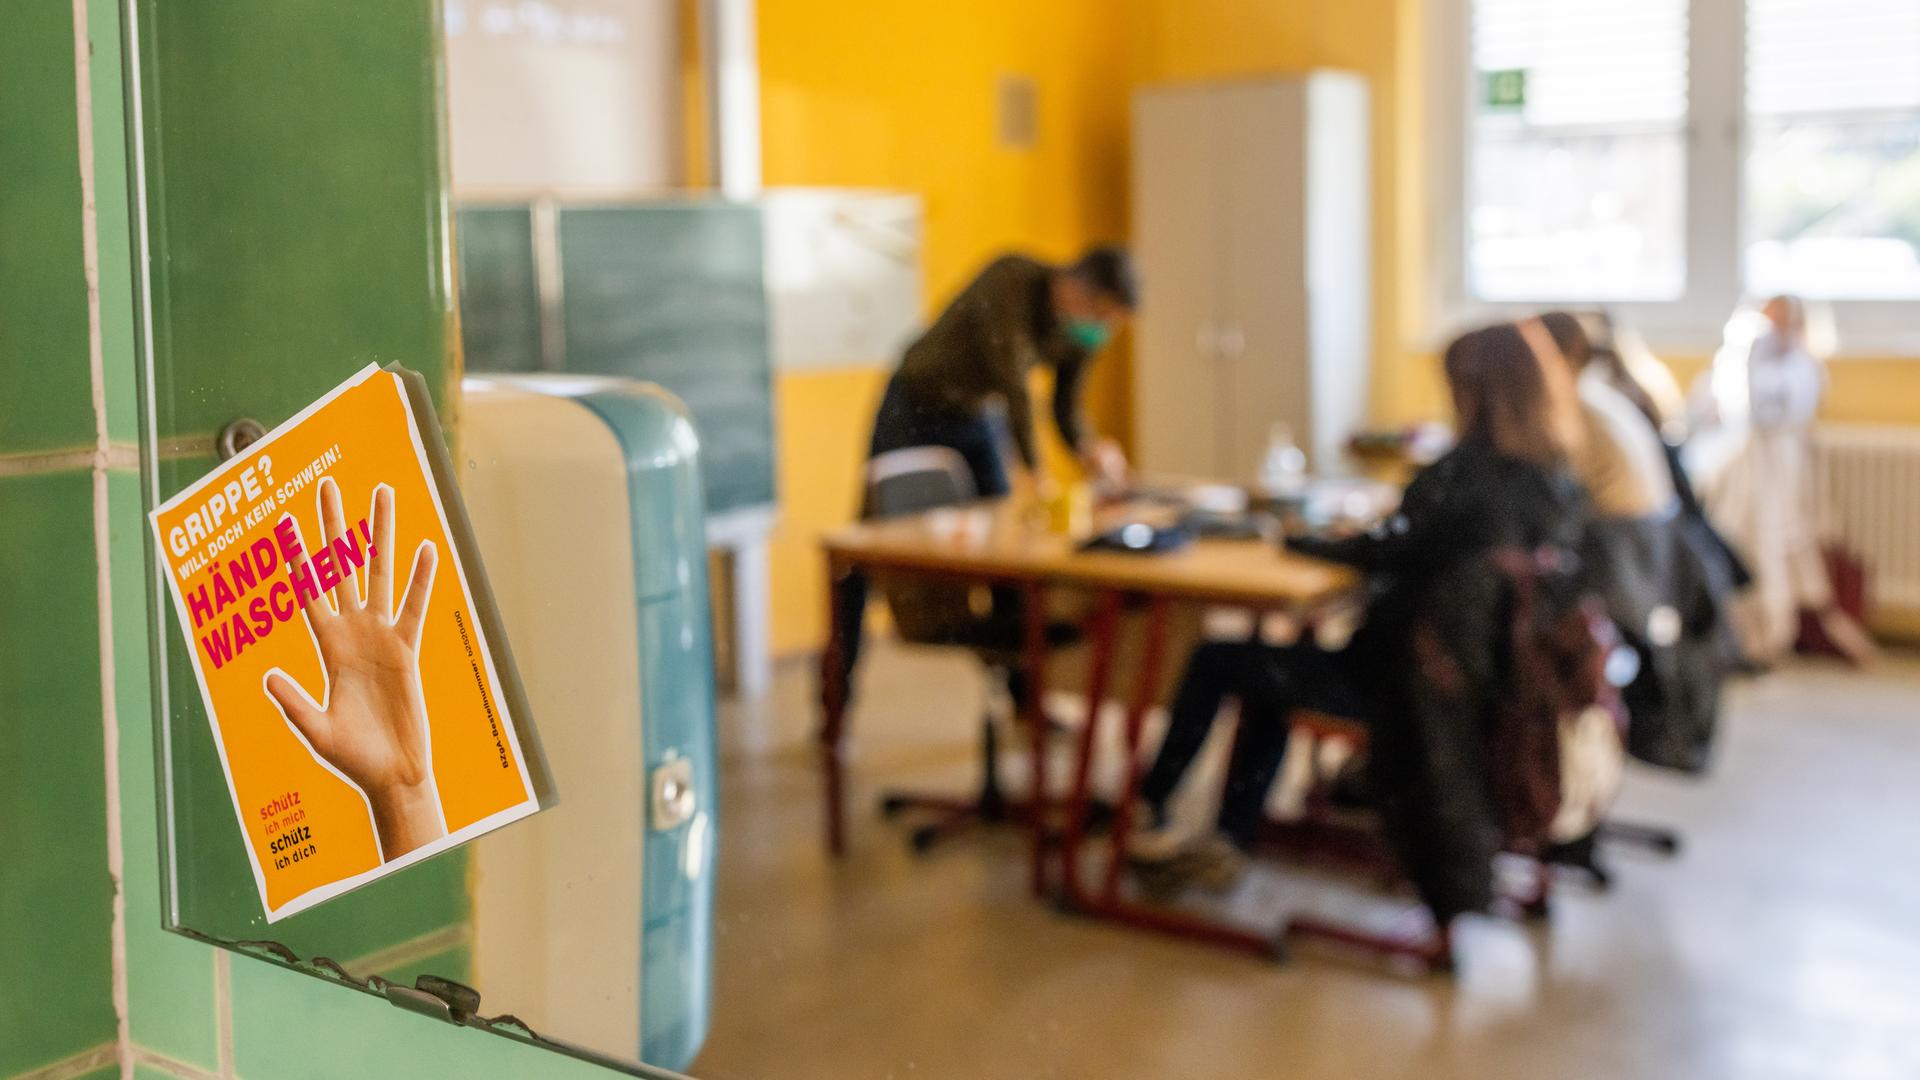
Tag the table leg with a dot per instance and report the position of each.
(833, 702)
(1033, 606)
(1108, 904)
(1103, 635)
(1146, 689)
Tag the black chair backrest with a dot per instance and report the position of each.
(910, 481)
(917, 478)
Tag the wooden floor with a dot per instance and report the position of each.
(1783, 943)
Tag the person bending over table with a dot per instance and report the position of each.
(963, 384)
(1506, 484)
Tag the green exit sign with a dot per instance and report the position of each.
(1505, 89)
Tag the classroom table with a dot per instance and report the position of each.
(1001, 543)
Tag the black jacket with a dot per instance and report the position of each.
(983, 345)
(1468, 503)
(1435, 635)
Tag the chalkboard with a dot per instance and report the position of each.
(499, 288)
(672, 293)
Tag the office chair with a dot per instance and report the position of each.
(916, 479)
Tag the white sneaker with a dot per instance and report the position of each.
(1214, 864)
(1152, 841)
(1210, 863)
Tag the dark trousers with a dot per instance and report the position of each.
(902, 423)
(1270, 682)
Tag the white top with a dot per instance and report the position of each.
(1621, 460)
(1784, 383)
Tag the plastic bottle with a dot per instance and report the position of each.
(1283, 471)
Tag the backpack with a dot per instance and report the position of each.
(1556, 750)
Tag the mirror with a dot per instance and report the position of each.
(264, 294)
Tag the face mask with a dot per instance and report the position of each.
(1088, 334)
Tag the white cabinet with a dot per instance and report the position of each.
(1251, 225)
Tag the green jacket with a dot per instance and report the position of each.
(985, 343)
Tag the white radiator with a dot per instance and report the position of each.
(1867, 483)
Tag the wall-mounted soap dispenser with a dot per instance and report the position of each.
(593, 919)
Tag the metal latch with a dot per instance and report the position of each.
(673, 800)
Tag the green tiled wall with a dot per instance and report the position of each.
(55, 892)
(295, 187)
(114, 221)
(43, 293)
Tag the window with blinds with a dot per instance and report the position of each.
(1576, 178)
(1832, 206)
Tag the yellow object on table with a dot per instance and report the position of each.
(1070, 509)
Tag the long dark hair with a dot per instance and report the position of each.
(1513, 391)
(1571, 338)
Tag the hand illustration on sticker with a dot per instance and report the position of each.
(370, 725)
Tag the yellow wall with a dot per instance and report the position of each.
(885, 93)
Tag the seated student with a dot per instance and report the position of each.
(1621, 459)
(1652, 569)
(1505, 485)
(1626, 363)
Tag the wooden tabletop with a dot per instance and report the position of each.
(1001, 541)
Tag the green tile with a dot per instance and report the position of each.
(289, 1026)
(55, 892)
(295, 192)
(113, 218)
(170, 996)
(43, 288)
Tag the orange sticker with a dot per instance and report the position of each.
(353, 695)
